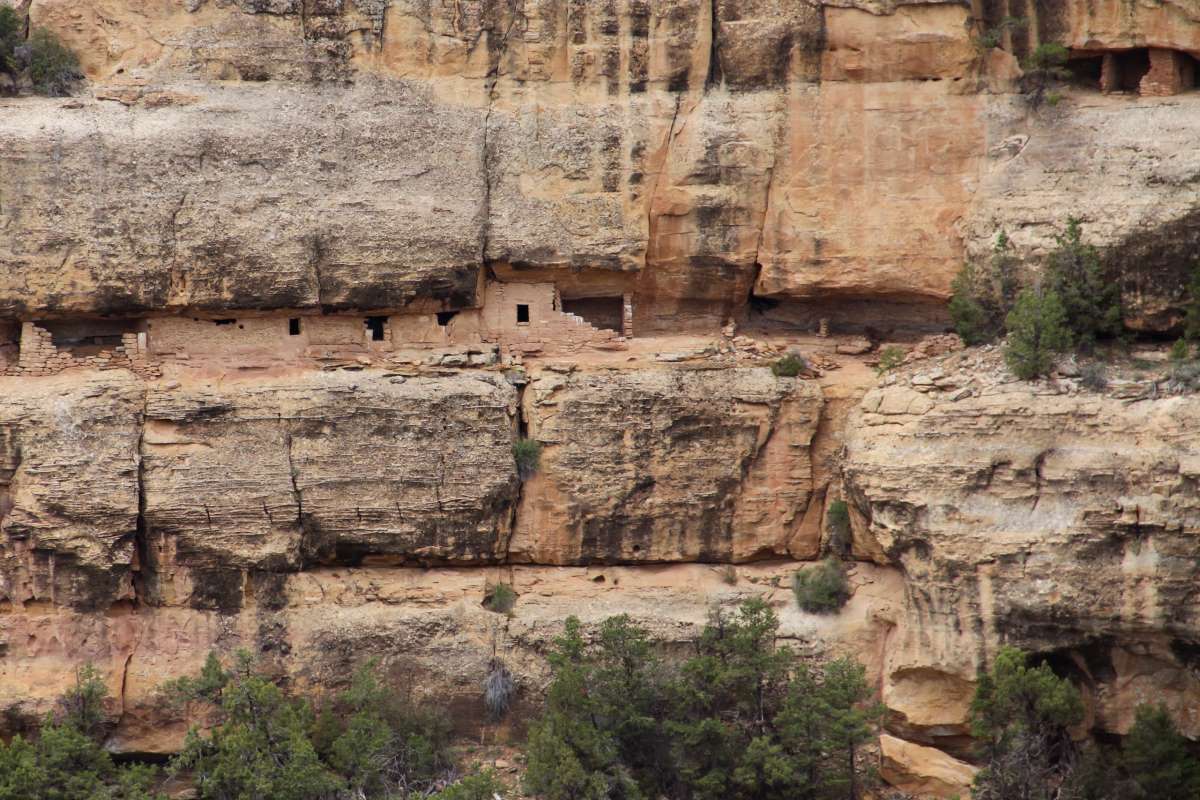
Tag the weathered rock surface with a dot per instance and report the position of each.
(668, 465)
(1062, 524)
(393, 151)
(69, 488)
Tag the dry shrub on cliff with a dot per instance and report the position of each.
(499, 688)
(821, 588)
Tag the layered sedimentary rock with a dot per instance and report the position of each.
(1061, 523)
(809, 165)
(668, 465)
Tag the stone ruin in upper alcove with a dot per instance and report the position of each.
(1147, 71)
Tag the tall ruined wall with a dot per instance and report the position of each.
(781, 166)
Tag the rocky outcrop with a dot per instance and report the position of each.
(668, 465)
(208, 483)
(1043, 516)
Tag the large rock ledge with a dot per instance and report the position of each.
(1063, 524)
(181, 491)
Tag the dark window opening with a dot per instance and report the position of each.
(606, 313)
(522, 312)
(224, 321)
(1086, 70)
(294, 326)
(444, 317)
(1131, 66)
(376, 325)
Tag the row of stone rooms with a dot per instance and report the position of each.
(517, 319)
(1147, 71)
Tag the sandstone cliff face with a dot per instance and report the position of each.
(770, 162)
(1059, 523)
(668, 465)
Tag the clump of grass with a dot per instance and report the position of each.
(528, 455)
(499, 688)
(1180, 351)
(500, 598)
(889, 358)
(729, 574)
(821, 588)
(789, 366)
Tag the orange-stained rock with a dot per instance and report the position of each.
(923, 771)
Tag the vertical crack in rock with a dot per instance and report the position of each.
(316, 256)
(713, 78)
(140, 577)
(664, 157)
(522, 431)
(297, 495)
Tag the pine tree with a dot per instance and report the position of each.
(1037, 330)
(1089, 296)
(1158, 757)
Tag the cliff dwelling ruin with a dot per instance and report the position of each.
(515, 319)
(1146, 71)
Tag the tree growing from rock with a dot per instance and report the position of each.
(1037, 332)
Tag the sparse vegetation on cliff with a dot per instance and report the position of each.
(1090, 297)
(889, 358)
(43, 62)
(741, 718)
(1046, 64)
(983, 296)
(66, 761)
(821, 588)
(1037, 332)
(499, 598)
(367, 742)
(789, 366)
(528, 455)
(837, 526)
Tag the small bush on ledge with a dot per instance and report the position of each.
(889, 358)
(789, 366)
(42, 63)
(822, 588)
(528, 455)
(500, 598)
(837, 525)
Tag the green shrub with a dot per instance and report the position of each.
(53, 68)
(1037, 331)
(1091, 299)
(740, 718)
(789, 366)
(528, 455)
(1047, 63)
(983, 296)
(263, 743)
(1191, 316)
(889, 358)
(821, 588)
(479, 786)
(837, 526)
(66, 760)
(1021, 715)
(1158, 757)
(500, 598)
(992, 37)
(1180, 351)
(11, 26)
